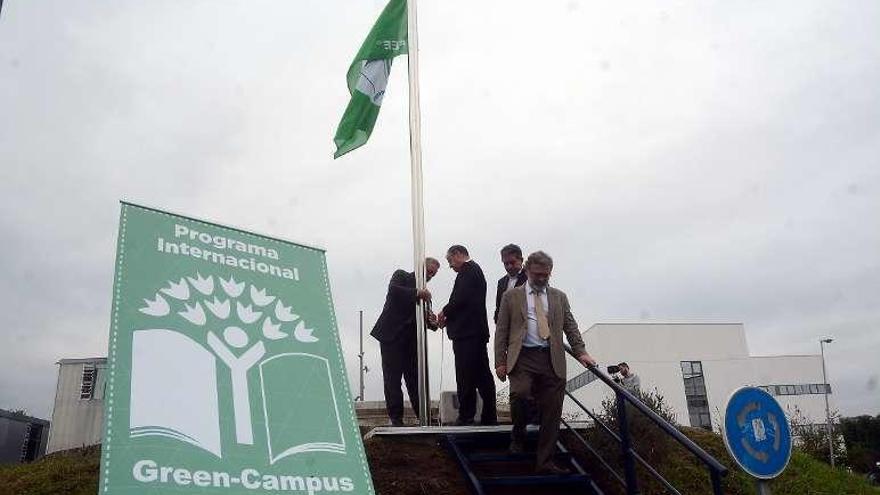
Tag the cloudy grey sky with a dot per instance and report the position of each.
(687, 161)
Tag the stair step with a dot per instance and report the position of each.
(508, 457)
(535, 480)
(492, 442)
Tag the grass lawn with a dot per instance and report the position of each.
(404, 466)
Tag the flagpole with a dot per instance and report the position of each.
(418, 209)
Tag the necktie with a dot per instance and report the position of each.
(543, 326)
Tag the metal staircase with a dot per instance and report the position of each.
(489, 468)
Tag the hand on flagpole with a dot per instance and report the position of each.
(424, 294)
(441, 320)
(432, 321)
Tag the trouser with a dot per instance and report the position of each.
(399, 359)
(533, 377)
(472, 374)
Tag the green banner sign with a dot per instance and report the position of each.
(225, 369)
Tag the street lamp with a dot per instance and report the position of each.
(822, 343)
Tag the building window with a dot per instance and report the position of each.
(100, 381)
(579, 381)
(30, 450)
(801, 389)
(695, 393)
(87, 386)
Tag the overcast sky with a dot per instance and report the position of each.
(682, 161)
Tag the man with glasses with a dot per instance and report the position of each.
(529, 349)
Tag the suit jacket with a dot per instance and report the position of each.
(513, 324)
(466, 310)
(502, 288)
(398, 319)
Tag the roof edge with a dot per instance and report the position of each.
(22, 417)
(81, 360)
(683, 323)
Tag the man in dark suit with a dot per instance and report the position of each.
(396, 332)
(529, 349)
(467, 325)
(512, 259)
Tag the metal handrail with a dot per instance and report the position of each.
(595, 454)
(595, 418)
(653, 472)
(716, 469)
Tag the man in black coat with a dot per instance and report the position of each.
(396, 332)
(467, 325)
(512, 259)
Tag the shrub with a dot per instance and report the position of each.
(813, 439)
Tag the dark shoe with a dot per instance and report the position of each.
(516, 447)
(464, 422)
(553, 468)
(490, 422)
(396, 422)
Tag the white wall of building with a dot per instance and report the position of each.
(655, 351)
(76, 422)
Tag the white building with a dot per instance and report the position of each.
(696, 367)
(78, 415)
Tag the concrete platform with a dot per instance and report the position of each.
(372, 413)
(443, 430)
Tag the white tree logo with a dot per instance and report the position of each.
(234, 321)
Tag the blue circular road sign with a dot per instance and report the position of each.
(756, 433)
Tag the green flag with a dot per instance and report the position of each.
(368, 76)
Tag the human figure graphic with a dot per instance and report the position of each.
(238, 368)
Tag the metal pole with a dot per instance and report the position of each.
(762, 487)
(361, 354)
(629, 463)
(827, 409)
(418, 211)
(716, 482)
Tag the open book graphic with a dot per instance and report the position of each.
(174, 389)
(300, 407)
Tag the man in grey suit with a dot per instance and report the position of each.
(529, 349)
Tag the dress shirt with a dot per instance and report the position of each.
(532, 337)
(511, 281)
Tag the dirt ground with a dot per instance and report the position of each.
(413, 465)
